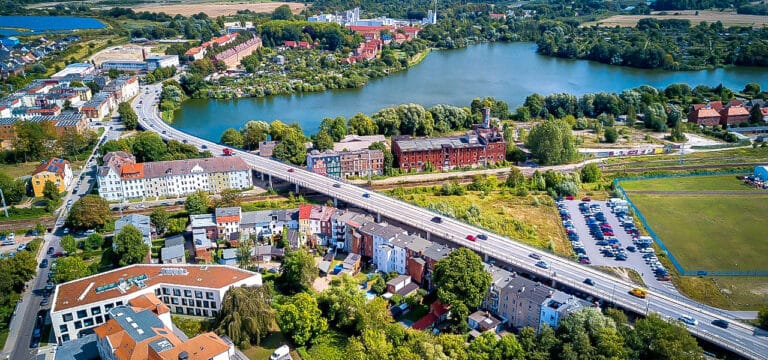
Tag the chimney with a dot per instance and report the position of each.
(486, 118)
(183, 355)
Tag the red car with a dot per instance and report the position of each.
(664, 278)
(586, 199)
(290, 170)
(569, 197)
(585, 260)
(471, 237)
(607, 233)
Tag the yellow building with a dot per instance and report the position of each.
(56, 171)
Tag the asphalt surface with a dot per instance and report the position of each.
(738, 337)
(634, 260)
(18, 345)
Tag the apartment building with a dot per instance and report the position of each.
(54, 170)
(172, 178)
(195, 290)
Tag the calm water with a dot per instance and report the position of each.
(46, 24)
(509, 72)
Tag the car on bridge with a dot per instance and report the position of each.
(690, 320)
(366, 195)
(589, 281)
(639, 292)
(542, 264)
(471, 237)
(437, 220)
(720, 323)
(535, 256)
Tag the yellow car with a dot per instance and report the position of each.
(641, 293)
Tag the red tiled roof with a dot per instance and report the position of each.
(735, 111)
(55, 165)
(424, 322)
(305, 211)
(132, 171)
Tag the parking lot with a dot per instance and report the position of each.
(12, 243)
(601, 238)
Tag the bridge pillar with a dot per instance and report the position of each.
(485, 257)
(428, 234)
(270, 180)
(378, 217)
(297, 189)
(335, 202)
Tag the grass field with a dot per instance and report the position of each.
(692, 183)
(517, 217)
(708, 232)
(728, 18)
(219, 9)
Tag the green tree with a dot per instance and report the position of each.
(516, 178)
(751, 88)
(148, 146)
(229, 198)
(88, 212)
(322, 141)
(197, 203)
(94, 242)
(232, 137)
(159, 219)
(246, 315)
(291, 148)
(69, 244)
(362, 124)
(552, 143)
(755, 114)
(298, 271)
(461, 278)
(341, 303)
(129, 246)
(611, 135)
(301, 319)
(70, 268)
(244, 254)
(656, 338)
(51, 193)
(254, 133)
(591, 173)
(128, 116)
(33, 139)
(282, 12)
(762, 317)
(374, 315)
(13, 190)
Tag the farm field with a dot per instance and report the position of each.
(517, 217)
(219, 8)
(692, 183)
(709, 232)
(728, 18)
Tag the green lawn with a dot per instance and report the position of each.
(268, 346)
(691, 183)
(710, 232)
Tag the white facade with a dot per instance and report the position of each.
(200, 300)
(383, 258)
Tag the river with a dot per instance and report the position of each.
(506, 71)
(45, 24)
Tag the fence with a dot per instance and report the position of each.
(639, 215)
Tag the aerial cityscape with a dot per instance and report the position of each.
(381, 179)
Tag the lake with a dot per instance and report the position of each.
(506, 71)
(45, 24)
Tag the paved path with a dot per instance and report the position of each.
(695, 192)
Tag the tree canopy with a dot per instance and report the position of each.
(552, 142)
(246, 315)
(129, 246)
(460, 278)
(298, 271)
(197, 202)
(88, 212)
(70, 268)
(301, 318)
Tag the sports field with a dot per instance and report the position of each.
(705, 230)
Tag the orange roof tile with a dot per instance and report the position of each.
(132, 171)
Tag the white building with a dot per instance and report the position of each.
(75, 70)
(383, 251)
(80, 305)
(227, 221)
(173, 178)
(158, 61)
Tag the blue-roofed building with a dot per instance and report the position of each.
(761, 172)
(10, 42)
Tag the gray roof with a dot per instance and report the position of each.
(230, 253)
(437, 251)
(8, 121)
(138, 325)
(411, 242)
(200, 239)
(410, 144)
(529, 289)
(287, 215)
(184, 167)
(83, 348)
(351, 259)
(171, 252)
(324, 266)
(398, 280)
(268, 250)
(389, 231)
(293, 238)
(174, 240)
(228, 211)
(499, 277)
(202, 220)
(256, 217)
(140, 222)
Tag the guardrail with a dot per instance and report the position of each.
(657, 239)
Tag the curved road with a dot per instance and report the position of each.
(739, 338)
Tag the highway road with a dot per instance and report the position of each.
(738, 338)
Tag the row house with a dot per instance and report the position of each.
(197, 53)
(716, 113)
(174, 178)
(123, 88)
(327, 163)
(297, 45)
(385, 256)
(361, 163)
(266, 223)
(315, 223)
(228, 221)
(232, 57)
(342, 223)
(98, 107)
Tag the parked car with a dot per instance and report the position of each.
(280, 353)
(21, 247)
(44, 264)
(50, 250)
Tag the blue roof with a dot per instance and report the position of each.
(138, 325)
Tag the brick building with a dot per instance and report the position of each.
(481, 146)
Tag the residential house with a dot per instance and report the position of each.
(54, 170)
(327, 163)
(354, 142)
(228, 257)
(227, 221)
(267, 148)
(432, 254)
(352, 263)
(734, 115)
(140, 222)
(267, 253)
(232, 56)
(293, 239)
(558, 307)
(437, 312)
(483, 321)
(205, 224)
(361, 163)
(518, 301)
(383, 251)
(402, 286)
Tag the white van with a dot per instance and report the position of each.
(281, 353)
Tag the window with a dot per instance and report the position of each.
(95, 310)
(88, 322)
(166, 291)
(188, 293)
(118, 303)
(78, 325)
(67, 317)
(108, 306)
(81, 314)
(213, 305)
(184, 302)
(99, 319)
(198, 294)
(65, 338)
(175, 301)
(198, 303)
(63, 328)
(179, 310)
(205, 303)
(165, 299)
(176, 292)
